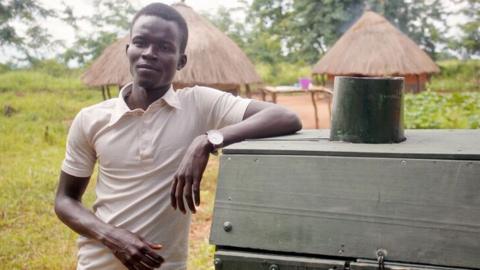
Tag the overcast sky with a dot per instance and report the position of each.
(84, 7)
(62, 31)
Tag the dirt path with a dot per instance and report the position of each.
(302, 105)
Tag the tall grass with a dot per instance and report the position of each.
(27, 81)
(456, 76)
(32, 138)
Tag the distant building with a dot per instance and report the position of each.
(374, 47)
(213, 60)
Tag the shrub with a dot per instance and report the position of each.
(434, 110)
(282, 73)
(456, 76)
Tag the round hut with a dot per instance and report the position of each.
(374, 47)
(213, 60)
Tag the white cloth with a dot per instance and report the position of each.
(138, 153)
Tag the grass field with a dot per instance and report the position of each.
(32, 142)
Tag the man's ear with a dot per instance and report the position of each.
(126, 48)
(182, 61)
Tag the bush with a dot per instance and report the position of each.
(53, 68)
(456, 76)
(434, 110)
(282, 73)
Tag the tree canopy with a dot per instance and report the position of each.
(272, 30)
(306, 28)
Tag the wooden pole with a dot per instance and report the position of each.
(248, 91)
(418, 83)
(103, 92)
(315, 110)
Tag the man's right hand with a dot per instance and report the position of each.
(133, 251)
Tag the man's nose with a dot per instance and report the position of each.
(150, 52)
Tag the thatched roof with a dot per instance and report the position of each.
(374, 47)
(213, 59)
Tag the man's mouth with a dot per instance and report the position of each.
(146, 66)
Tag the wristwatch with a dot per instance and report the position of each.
(215, 138)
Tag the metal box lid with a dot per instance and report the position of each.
(438, 144)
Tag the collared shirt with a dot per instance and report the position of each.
(138, 153)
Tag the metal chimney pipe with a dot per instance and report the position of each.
(367, 110)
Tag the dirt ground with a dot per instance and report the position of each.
(303, 106)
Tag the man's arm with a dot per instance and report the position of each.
(130, 249)
(261, 119)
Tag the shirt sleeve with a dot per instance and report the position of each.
(80, 156)
(220, 108)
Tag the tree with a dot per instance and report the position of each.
(307, 28)
(422, 21)
(223, 20)
(110, 21)
(28, 43)
(469, 42)
(268, 26)
(316, 25)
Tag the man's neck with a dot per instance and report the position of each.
(141, 97)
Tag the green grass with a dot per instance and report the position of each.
(34, 81)
(456, 76)
(31, 150)
(32, 143)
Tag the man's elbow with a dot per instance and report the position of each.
(61, 206)
(290, 120)
(295, 121)
(58, 207)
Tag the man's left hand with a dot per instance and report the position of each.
(186, 182)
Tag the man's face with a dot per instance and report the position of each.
(154, 51)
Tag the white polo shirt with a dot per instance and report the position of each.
(138, 153)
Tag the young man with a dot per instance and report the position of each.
(152, 145)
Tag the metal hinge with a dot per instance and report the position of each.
(381, 254)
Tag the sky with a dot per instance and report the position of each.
(85, 7)
(61, 31)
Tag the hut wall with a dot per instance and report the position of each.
(329, 82)
(415, 83)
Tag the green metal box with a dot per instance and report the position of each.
(303, 196)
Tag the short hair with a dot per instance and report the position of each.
(167, 13)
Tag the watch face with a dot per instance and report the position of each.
(215, 137)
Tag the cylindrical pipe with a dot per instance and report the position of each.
(368, 110)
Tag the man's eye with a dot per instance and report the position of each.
(165, 47)
(139, 43)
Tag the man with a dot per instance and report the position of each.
(152, 145)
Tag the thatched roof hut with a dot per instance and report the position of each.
(374, 47)
(213, 59)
